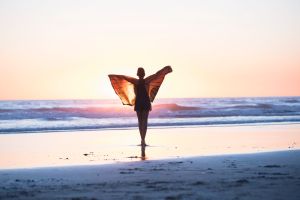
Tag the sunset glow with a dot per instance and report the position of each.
(66, 49)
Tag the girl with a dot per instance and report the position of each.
(140, 93)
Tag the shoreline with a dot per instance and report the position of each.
(154, 127)
(113, 146)
(268, 175)
(134, 127)
(121, 163)
(232, 162)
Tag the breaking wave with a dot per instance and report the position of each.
(62, 115)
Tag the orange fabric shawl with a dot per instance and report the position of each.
(126, 89)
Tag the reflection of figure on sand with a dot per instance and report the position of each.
(143, 152)
(140, 93)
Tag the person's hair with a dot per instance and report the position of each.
(140, 72)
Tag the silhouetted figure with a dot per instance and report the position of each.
(140, 93)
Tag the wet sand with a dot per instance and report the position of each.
(273, 175)
(113, 146)
(240, 162)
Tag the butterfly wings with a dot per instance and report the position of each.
(123, 88)
(154, 82)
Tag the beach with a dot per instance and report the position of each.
(215, 84)
(212, 162)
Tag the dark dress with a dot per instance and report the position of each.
(142, 101)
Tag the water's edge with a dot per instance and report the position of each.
(78, 115)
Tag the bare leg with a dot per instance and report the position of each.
(139, 116)
(143, 123)
(145, 115)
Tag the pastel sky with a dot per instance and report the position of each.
(64, 49)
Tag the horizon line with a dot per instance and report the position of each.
(70, 99)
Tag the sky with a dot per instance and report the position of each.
(64, 49)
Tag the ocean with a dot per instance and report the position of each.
(64, 115)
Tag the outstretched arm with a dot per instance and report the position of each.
(124, 88)
(130, 79)
(165, 70)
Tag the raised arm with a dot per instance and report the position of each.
(124, 87)
(130, 79)
(165, 70)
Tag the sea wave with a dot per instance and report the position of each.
(77, 124)
(56, 113)
(20, 116)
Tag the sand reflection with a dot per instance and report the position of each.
(98, 147)
(143, 152)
